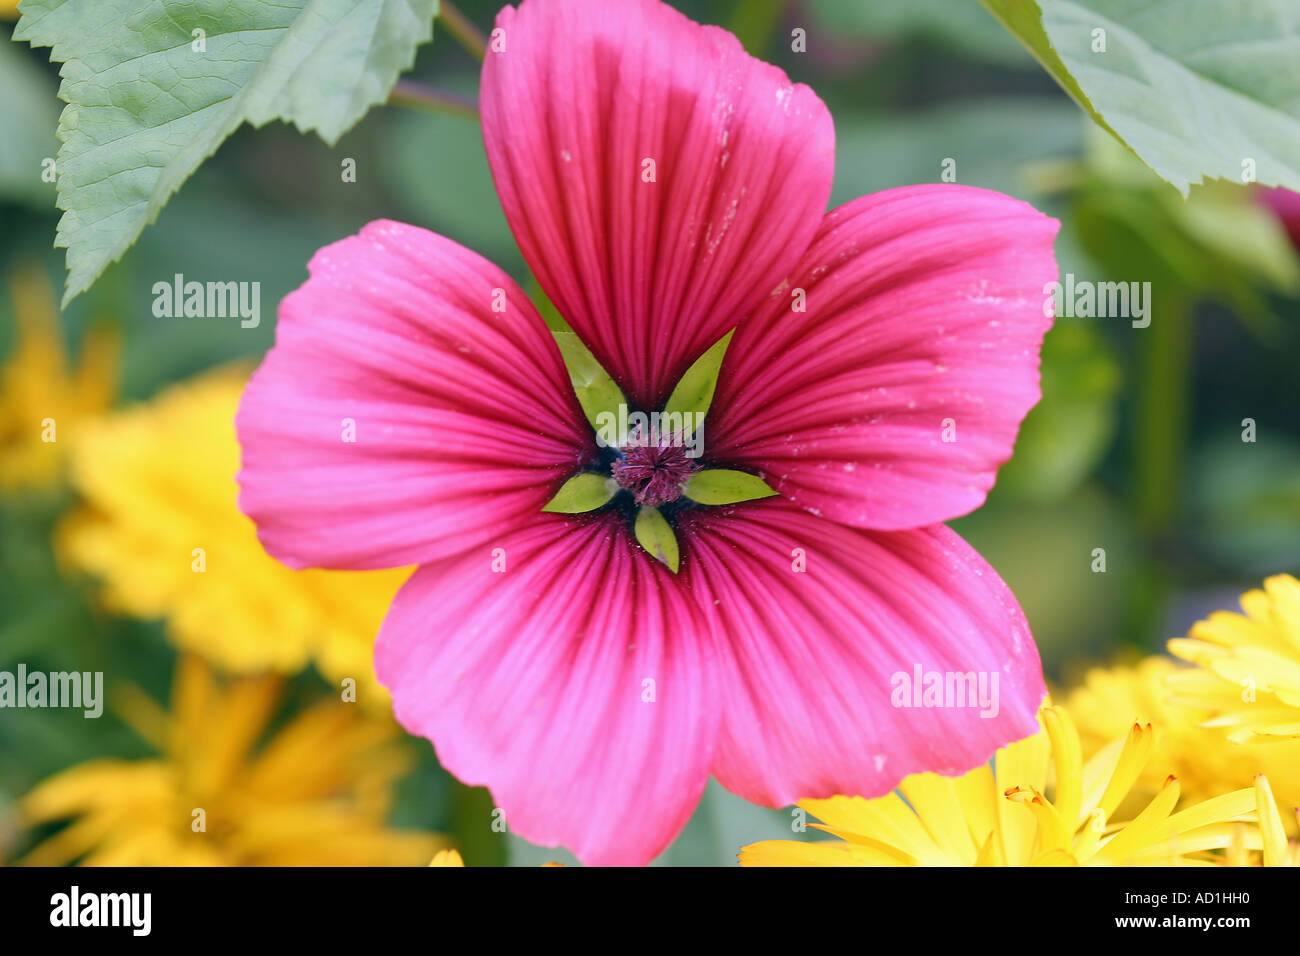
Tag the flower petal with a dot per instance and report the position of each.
(892, 400)
(810, 660)
(650, 273)
(401, 414)
(575, 681)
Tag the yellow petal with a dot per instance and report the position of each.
(1276, 851)
(1053, 834)
(1133, 757)
(1068, 761)
(887, 819)
(1147, 827)
(937, 802)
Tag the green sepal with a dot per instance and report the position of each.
(596, 389)
(655, 534)
(694, 392)
(584, 492)
(725, 486)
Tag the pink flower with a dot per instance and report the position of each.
(1285, 204)
(548, 656)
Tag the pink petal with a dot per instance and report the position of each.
(925, 308)
(533, 681)
(650, 274)
(810, 673)
(464, 417)
(1285, 204)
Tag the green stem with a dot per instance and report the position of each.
(460, 27)
(418, 96)
(1163, 398)
(1159, 446)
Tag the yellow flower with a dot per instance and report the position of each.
(1276, 850)
(8, 9)
(161, 528)
(316, 793)
(42, 402)
(1247, 665)
(1002, 816)
(1203, 759)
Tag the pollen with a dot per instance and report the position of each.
(655, 471)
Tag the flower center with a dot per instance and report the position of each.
(654, 471)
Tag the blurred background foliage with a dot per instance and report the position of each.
(1136, 447)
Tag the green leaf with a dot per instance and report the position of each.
(584, 492)
(694, 393)
(656, 535)
(1024, 18)
(1195, 93)
(725, 486)
(146, 107)
(1221, 243)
